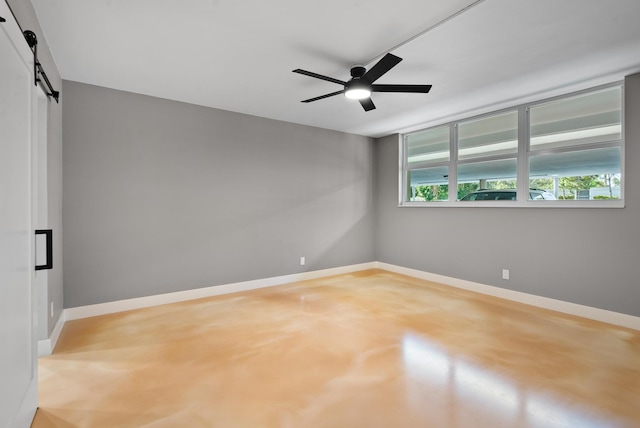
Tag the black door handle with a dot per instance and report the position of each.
(48, 233)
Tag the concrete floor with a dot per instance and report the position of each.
(372, 349)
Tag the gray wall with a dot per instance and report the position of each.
(27, 18)
(162, 196)
(584, 256)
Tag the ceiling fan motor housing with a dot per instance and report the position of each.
(357, 88)
(357, 83)
(358, 71)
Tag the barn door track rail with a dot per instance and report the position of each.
(39, 75)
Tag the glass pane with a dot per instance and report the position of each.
(584, 174)
(477, 177)
(589, 118)
(428, 184)
(431, 145)
(495, 135)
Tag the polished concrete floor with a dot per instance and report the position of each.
(372, 349)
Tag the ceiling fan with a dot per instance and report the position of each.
(361, 84)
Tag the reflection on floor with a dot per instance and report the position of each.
(372, 349)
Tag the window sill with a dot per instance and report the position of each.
(618, 203)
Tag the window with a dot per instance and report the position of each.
(575, 147)
(487, 154)
(427, 160)
(566, 151)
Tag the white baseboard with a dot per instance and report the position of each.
(198, 293)
(610, 317)
(46, 346)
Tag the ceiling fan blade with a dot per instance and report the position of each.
(423, 89)
(385, 64)
(322, 96)
(319, 76)
(367, 104)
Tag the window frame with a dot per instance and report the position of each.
(522, 156)
(405, 168)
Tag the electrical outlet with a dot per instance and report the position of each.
(302, 261)
(51, 309)
(505, 273)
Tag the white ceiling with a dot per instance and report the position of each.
(238, 55)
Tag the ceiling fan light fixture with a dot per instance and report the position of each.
(357, 93)
(356, 89)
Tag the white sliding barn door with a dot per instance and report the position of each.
(18, 361)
